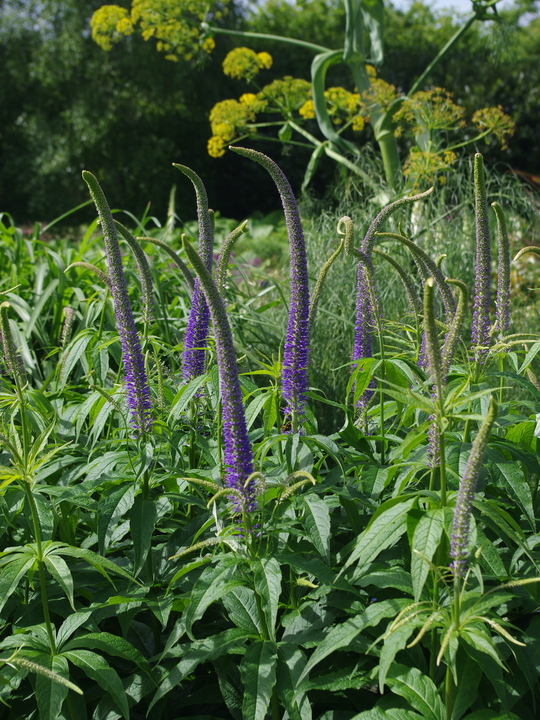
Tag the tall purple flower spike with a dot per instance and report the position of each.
(482, 284)
(238, 458)
(467, 490)
(502, 303)
(365, 310)
(137, 389)
(199, 316)
(295, 381)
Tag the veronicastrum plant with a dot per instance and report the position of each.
(385, 568)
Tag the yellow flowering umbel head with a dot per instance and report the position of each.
(423, 167)
(229, 119)
(431, 110)
(176, 25)
(244, 63)
(497, 122)
(109, 24)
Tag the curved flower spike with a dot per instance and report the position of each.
(225, 255)
(467, 489)
(502, 303)
(199, 317)
(145, 275)
(180, 264)
(102, 276)
(138, 391)
(12, 358)
(482, 283)
(320, 281)
(296, 348)
(238, 458)
(454, 332)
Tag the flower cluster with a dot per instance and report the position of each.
(174, 24)
(496, 122)
(228, 119)
(138, 391)
(430, 111)
(426, 167)
(244, 63)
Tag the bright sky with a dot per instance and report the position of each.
(461, 6)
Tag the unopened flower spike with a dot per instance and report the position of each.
(426, 262)
(467, 490)
(320, 280)
(296, 348)
(145, 275)
(453, 335)
(482, 284)
(101, 276)
(435, 369)
(67, 326)
(180, 264)
(137, 388)
(199, 317)
(408, 284)
(12, 358)
(502, 304)
(238, 458)
(225, 255)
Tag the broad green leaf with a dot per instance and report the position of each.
(111, 644)
(211, 586)
(184, 396)
(258, 673)
(418, 690)
(490, 558)
(385, 527)
(197, 652)
(344, 634)
(99, 562)
(426, 539)
(113, 508)
(241, 604)
(317, 523)
(388, 714)
(99, 670)
(510, 476)
(62, 574)
(267, 576)
(11, 573)
(142, 520)
(255, 407)
(50, 694)
(373, 14)
(290, 664)
(465, 694)
(392, 644)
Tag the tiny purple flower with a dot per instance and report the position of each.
(137, 389)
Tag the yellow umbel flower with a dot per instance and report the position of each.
(216, 146)
(425, 167)
(244, 63)
(431, 110)
(496, 121)
(109, 24)
(307, 111)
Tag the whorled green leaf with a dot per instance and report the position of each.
(258, 673)
(142, 521)
(426, 538)
(267, 577)
(99, 670)
(419, 691)
(317, 523)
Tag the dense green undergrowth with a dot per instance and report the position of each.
(134, 583)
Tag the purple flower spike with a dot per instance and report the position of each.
(199, 316)
(138, 391)
(503, 275)
(295, 381)
(467, 489)
(238, 458)
(482, 283)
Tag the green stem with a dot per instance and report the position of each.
(267, 36)
(440, 55)
(41, 566)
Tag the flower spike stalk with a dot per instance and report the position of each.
(138, 390)
(296, 349)
(467, 490)
(238, 458)
(502, 303)
(482, 284)
(199, 317)
(145, 274)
